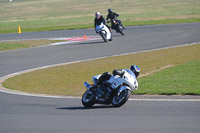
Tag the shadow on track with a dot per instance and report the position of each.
(96, 42)
(93, 42)
(84, 108)
(117, 35)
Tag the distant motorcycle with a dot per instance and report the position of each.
(115, 91)
(104, 32)
(117, 26)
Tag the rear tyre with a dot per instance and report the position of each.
(110, 38)
(88, 99)
(121, 31)
(119, 100)
(103, 36)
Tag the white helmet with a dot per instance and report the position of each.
(97, 15)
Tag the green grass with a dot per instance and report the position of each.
(11, 45)
(181, 79)
(42, 15)
(66, 80)
(164, 21)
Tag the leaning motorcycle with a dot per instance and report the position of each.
(116, 25)
(115, 91)
(104, 32)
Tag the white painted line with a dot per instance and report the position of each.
(74, 40)
(89, 38)
(2, 79)
(183, 45)
(60, 43)
(35, 95)
(169, 100)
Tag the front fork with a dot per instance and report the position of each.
(122, 88)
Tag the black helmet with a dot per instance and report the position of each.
(135, 69)
(109, 10)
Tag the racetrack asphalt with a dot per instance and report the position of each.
(29, 114)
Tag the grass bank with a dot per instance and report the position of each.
(43, 15)
(182, 79)
(66, 80)
(12, 45)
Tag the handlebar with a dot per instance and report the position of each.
(110, 20)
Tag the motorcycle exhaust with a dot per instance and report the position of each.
(87, 85)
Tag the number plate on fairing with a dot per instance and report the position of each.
(115, 84)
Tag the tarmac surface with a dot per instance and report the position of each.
(141, 114)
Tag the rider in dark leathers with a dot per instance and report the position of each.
(112, 15)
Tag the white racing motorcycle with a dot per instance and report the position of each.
(104, 32)
(115, 91)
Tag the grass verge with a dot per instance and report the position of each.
(43, 15)
(66, 80)
(164, 21)
(182, 79)
(11, 45)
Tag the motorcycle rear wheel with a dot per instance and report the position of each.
(119, 100)
(120, 29)
(88, 99)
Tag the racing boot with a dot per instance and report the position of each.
(107, 93)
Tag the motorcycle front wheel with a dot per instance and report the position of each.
(119, 100)
(103, 36)
(88, 99)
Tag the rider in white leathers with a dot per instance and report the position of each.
(100, 19)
